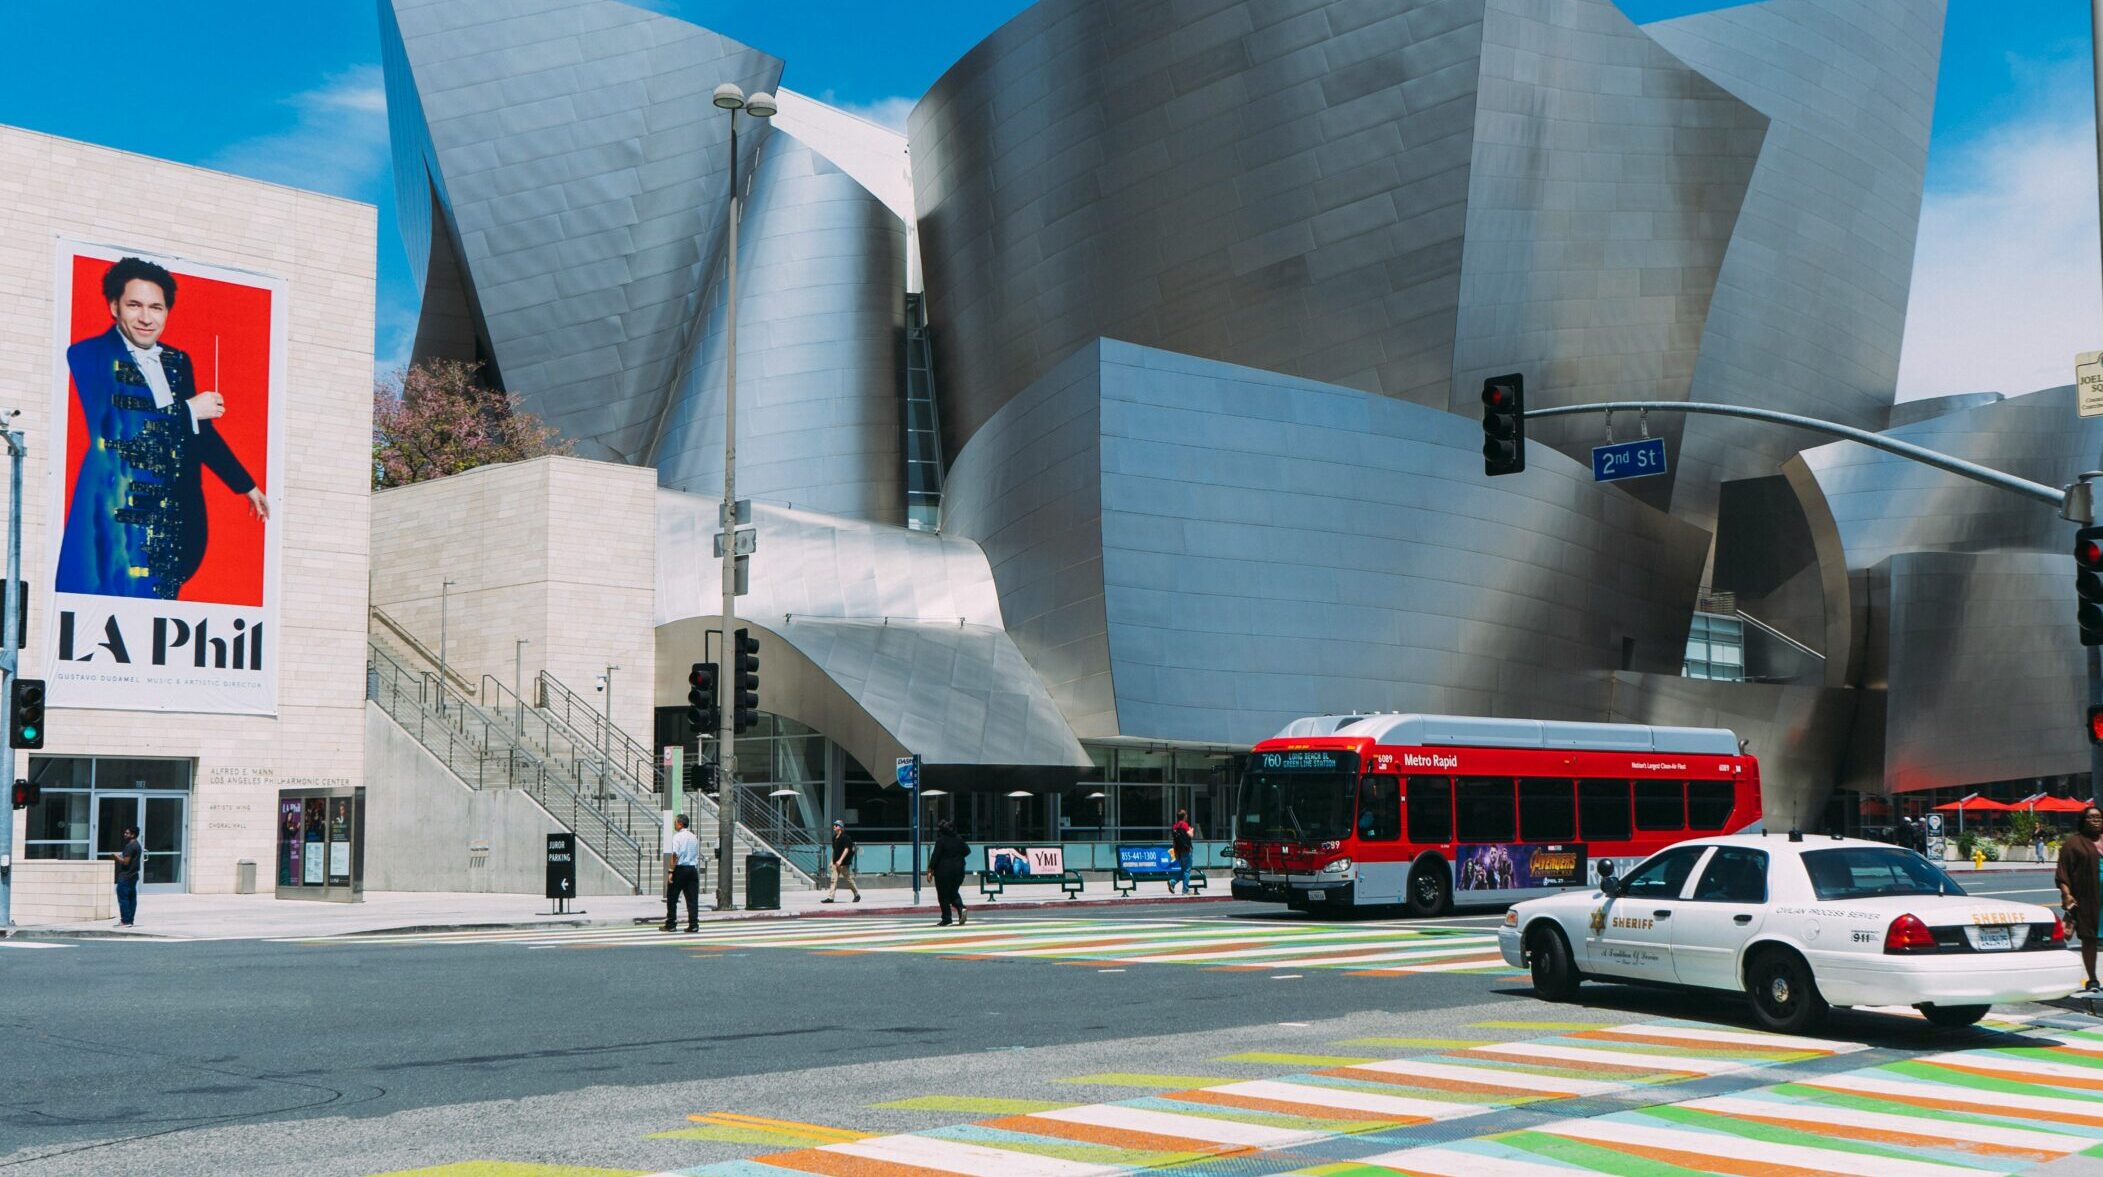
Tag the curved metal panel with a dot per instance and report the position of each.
(1278, 183)
(1607, 182)
(1187, 550)
(821, 304)
(581, 163)
(1810, 307)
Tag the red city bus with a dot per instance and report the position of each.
(1358, 811)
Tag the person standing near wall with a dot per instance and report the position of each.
(128, 877)
(842, 863)
(1181, 844)
(684, 878)
(2081, 886)
(945, 867)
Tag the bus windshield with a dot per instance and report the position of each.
(1301, 797)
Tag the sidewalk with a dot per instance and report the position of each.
(265, 917)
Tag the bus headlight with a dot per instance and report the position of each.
(1240, 864)
(1338, 867)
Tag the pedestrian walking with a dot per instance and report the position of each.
(2081, 887)
(2038, 843)
(945, 867)
(842, 863)
(129, 858)
(1180, 844)
(684, 878)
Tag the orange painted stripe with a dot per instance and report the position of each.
(1214, 946)
(833, 1164)
(1314, 1111)
(1903, 1139)
(1515, 1089)
(1690, 1044)
(1114, 1137)
(1977, 1107)
(1706, 1162)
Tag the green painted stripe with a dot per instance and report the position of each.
(1696, 1050)
(1950, 1078)
(972, 1105)
(1138, 1079)
(1297, 1060)
(1771, 1133)
(2044, 1055)
(1870, 1103)
(1594, 1158)
(1418, 1043)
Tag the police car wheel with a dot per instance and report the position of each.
(1554, 977)
(1784, 996)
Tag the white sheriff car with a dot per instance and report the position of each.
(1797, 923)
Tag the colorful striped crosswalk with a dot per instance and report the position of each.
(1383, 949)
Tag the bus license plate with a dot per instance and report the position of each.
(1325, 895)
(1994, 940)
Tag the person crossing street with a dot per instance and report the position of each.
(842, 863)
(684, 878)
(945, 867)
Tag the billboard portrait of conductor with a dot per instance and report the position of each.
(135, 518)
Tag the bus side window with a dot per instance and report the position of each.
(1547, 810)
(1661, 805)
(1483, 806)
(1603, 810)
(1430, 810)
(1709, 804)
(1380, 809)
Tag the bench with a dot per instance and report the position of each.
(1149, 864)
(991, 882)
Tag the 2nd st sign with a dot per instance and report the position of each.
(1629, 459)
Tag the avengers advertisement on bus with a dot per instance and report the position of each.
(1509, 866)
(166, 377)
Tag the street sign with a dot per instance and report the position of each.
(908, 772)
(1629, 459)
(562, 866)
(2088, 384)
(747, 542)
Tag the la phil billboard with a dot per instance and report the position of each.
(165, 596)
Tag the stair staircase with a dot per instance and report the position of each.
(583, 769)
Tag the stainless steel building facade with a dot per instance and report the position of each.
(1210, 291)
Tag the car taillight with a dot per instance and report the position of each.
(2058, 930)
(1908, 934)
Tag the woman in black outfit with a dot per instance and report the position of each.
(946, 867)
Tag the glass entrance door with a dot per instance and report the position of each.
(161, 821)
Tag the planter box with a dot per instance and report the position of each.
(54, 892)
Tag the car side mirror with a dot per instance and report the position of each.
(1609, 886)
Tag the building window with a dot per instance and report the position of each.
(1715, 648)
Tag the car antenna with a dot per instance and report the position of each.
(1796, 835)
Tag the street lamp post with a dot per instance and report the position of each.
(444, 586)
(518, 677)
(761, 105)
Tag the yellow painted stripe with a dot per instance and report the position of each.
(973, 1105)
(792, 1127)
(1418, 1043)
(1296, 1060)
(1538, 1025)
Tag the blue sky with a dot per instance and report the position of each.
(2006, 279)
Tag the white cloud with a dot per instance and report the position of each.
(2005, 286)
(337, 143)
(884, 112)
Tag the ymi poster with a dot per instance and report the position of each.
(1502, 866)
(166, 374)
(1034, 860)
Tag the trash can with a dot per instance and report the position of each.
(245, 877)
(762, 882)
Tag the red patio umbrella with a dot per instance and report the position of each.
(2059, 805)
(1974, 804)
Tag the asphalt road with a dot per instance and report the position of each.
(366, 1055)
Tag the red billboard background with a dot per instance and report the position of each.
(237, 317)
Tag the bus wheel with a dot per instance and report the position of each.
(1429, 893)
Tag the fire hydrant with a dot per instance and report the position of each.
(1978, 858)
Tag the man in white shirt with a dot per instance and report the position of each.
(685, 876)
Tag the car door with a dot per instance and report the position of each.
(1727, 906)
(1632, 931)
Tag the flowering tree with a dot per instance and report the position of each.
(438, 418)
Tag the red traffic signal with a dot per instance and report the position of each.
(2088, 584)
(25, 794)
(2095, 724)
(1504, 425)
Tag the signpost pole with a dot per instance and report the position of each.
(909, 780)
(11, 663)
(2095, 653)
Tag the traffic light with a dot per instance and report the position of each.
(25, 714)
(702, 710)
(744, 697)
(1504, 425)
(26, 794)
(2095, 724)
(2088, 584)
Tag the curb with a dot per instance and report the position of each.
(845, 911)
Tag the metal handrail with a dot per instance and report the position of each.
(416, 646)
(1777, 634)
(599, 732)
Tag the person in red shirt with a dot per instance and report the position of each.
(1181, 841)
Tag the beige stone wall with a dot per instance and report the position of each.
(63, 892)
(324, 248)
(558, 551)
